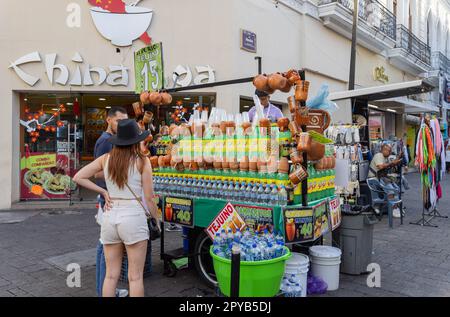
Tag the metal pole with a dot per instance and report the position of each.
(259, 59)
(235, 271)
(351, 81)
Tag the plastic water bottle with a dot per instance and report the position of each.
(297, 290)
(238, 235)
(230, 236)
(288, 290)
(254, 195)
(231, 192)
(246, 236)
(213, 191)
(248, 192)
(283, 196)
(267, 193)
(228, 251)
(237, 192)
(223, 235)
(218, 250)
(260, 194)
(219, 190)
(256, 252)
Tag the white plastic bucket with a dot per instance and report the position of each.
(298, 265)
(325, 262)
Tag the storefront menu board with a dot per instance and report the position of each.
(228, 218)
(321, 220)
(148, 65)
(298, 224)
(45, 176)
(335, 213)
(257, 218)
(179, 211)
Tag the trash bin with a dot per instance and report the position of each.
(355, 236)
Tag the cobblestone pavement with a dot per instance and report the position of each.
(414, 260)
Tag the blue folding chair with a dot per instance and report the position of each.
(384, 196)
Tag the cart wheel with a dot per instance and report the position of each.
(172, 270)
(203, 261)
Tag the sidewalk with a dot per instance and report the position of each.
(414, 260)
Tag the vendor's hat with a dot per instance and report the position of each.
(128, 133)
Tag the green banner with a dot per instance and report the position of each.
(148, 66)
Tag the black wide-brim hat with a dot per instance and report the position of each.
(128, 133)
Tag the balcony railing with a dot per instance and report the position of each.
(373, 13)
(413, 45)
(440, 61)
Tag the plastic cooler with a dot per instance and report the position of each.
(257, 279)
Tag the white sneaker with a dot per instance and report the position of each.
(396, 213)
(121, 292)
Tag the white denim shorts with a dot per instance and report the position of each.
(124, 223)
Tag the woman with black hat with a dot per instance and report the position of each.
(270, 111)
(127, 174)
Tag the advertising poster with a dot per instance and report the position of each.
(298, 224)
(335, 213)
(256, 218)
(228, 218)
(45, 176)
(148, 64)
(321, 220)
(179, 211)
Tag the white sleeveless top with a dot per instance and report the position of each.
(134, 181)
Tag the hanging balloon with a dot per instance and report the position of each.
(39, 127)
(34, 140)
(30, 117)
(41, 113)
(60, 124)
(36, 116)
(53, 129)
(56, 114)
(27, 110)
(48, 129)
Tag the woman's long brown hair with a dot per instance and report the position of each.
(121, 159)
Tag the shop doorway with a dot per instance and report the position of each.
(58, 133)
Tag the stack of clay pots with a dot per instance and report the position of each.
(156, 98)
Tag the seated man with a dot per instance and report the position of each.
(380, 162)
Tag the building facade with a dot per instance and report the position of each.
(58, 53)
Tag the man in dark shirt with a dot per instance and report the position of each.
(102, 147)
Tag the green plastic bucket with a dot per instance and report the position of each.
(257, 279)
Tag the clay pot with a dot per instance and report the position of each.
(276, 81)
(304, 142)
(292, 76)
(295, 131)
(290, 231)
(293, 104)
(217, 165)
(148, 139)
(193, 166)
(316, 152)
(155, 98)
(262, 166)
(223, 127)
(154, 161)
(301, 90)
(298, 175)
(161, 161)
(166, 99)
(145, 97)
(148, 116)
(247, 128)
(201, 164)
(321, 165)
(264, 123)
(244, 164)
(333, 163)
(234, 166)
(137, 107)
(186, 164)
(253, 166)
(272, 165)
(261, 82)
(283, 166)
(295, 157)
(287, 87)
(225, 165)
(283, 124)
(166, 159)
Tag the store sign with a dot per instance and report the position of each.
(228, 218)
(183, 76)
(298, 224)
(121, 23)
(248, 41)
(257, 218)
(117, 75)
(380, 75)
(321, 220)
(148, 66)
(335, 213)
(179, 211)
(39, 161)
